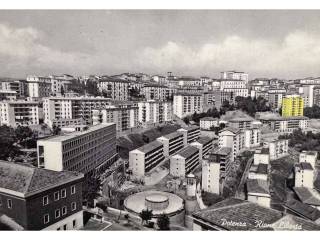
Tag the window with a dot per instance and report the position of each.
(74, 223)
(0, 202)
(46, 219)
(65, 227)
(73, 189)
(64, 210)
(56, 196)
(73, 206)
(45, 200)
(57, 213)
(63, 193)
(9, 203)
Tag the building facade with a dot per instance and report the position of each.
(185, 104)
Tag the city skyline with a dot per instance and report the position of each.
(274, 43)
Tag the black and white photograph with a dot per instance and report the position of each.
(159, 120)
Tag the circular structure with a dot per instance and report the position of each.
(159, 202)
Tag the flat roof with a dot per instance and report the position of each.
(67, 136)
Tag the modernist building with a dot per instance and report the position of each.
(304, 175)
(55, 108)
(190, 134)
(292, 106)
(158, 92)
(184, 162)
(152, 111)
(231, 138)
(39, 87)
(235, 75)
(115, 89)
(19, 113)
(258, 192)
(17, 85)
(211, 174)
(207, 122)
(285, 124)
(309, 157)
(90, 151)
(144, 159)
(124, 115)
(204, 144)
(172, 143)
(185, 104)
(39, 199)
(240, 123)
(278, 148)
(252, 137)
(60, 84)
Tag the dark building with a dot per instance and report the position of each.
(34, 199)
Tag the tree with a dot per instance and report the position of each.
(62, 91)
(163, 222)
(145, 215)
(91, 189)
(7, 143)
(56, 130)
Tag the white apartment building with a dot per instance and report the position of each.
(67, 122)
(304, 175)
(172, 143)
(258, 192)
(19, 113)
(189, 81)
(235, 75)
(231, 138)
(39, 87)
(8, 95)
(90, 152)
(60, 84)
(144, 159)
(154, 112)
(278, 148)
(252, 137)
(158, 92)
(236, 87)
(159, 79)
(184, 162)
(124, 115)
(309, 157)
(116, 89)
(223, 156)
(306, 91)
(17, 85)
(259, 171)
(261, 156)
(286, 124)
(190, 134)
(185, 104)
(210, 175)
(55, 108)
(205, 145)
(207, 122)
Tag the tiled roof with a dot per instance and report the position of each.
(187, 151)
(308, 195)
(231, 129)
(208, 119)
(150, 146)
(305, 166)
(303, 209)
(191, 127)
(237, 211)
(26, 180)
(204, 140)
(224, 151)
(172, 135)
(316, 183)
(262, 168)
(257, 186)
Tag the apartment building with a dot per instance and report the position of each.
(189, 81)
(309, 157)
(207, 123)
(278, 148)
(184, 162)
(185, 104)
(205, 145)
(17, 85)
(275, 99)
(55, 108)
(285, 124)
(40, 199)
(190, 134)
(261, 156)
(158, 92)
(304, 175)
(19, 113)
(231, 138)
(252, 137)
(316, 95)
(124, 115)
(65, 122)
(220, 97)
(90, 151)
(292, 106)
(240, 123)
(39, 87)
(235, 75)
(306, 92)
(210, 175)
(60, 84)
(154, 112)
(144, 159)
(8, 95)
(159, 79)
(115, 89)
(258, 171)
(172, 143)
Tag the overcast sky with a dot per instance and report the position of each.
(284, 44)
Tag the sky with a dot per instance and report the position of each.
(274, 43)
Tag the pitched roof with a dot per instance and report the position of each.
(187, 151)
(305, 166)
(204, 140)
(224, 151)
(150, 146)
(172, 135)
(257, 186)
(231, 129)
(262, 168)
(237, 211)
(208, 119)
(27, 180)
(308, 195)
(303, 209)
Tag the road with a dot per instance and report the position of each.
(239, 192)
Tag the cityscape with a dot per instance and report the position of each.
(226, 147)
